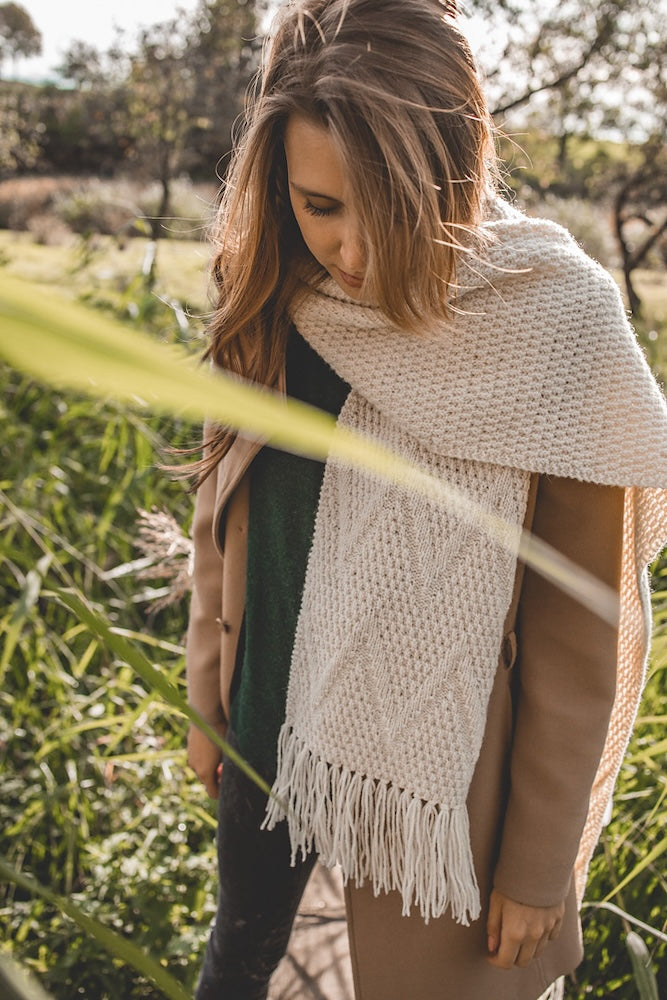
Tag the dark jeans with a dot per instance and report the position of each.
(259, 893)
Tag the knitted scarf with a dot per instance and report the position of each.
(404, 602)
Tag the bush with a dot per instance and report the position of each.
(100, 207)
(48, 230)
(121, 207)
(21, 198)
(589, 223)
(192, 207)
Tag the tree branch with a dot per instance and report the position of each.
(605, 28)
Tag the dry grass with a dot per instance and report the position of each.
(21, 198)
(104, 265)
(120, 207)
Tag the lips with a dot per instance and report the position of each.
(351, 279)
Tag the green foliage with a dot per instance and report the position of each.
(158, 105)
(538, 164)
(114, 943)
(629, 865)
(95, 804)
(20, 146)
(18, 34)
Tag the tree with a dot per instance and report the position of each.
(161, 105)
(18, 34)
(83, 64)
(224, 54)
(574, 68)
(579, 61)
(640, 213)
(160, 88)
(185, 88)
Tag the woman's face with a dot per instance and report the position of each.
(321, 202)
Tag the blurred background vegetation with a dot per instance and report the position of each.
(108, 180)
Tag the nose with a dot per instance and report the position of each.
(352, 253)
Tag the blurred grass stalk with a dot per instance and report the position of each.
(18, 984)
(65, 344)
(647, 984)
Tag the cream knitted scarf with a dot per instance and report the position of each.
(404, 602)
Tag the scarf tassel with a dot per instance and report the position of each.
(375, 831)
(555, 992)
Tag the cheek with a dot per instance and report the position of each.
(315, 234)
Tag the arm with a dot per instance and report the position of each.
(566, 685)
(203, 639)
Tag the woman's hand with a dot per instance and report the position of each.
(518, 933)
(204, 758)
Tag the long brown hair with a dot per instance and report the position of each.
(395, 84)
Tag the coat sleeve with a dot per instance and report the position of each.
(564, 695)
(202, 651)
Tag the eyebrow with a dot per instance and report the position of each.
(312, 194)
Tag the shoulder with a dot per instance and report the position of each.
(537, 267)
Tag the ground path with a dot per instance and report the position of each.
(317, 964)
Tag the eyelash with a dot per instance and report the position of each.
(319, 213)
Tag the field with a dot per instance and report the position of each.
(97, 804)
(103, 266)
(101, 269)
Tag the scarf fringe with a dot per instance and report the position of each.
(375, 831)
(555, 992)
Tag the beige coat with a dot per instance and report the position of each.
(545, 731)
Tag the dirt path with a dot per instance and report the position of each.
(317, 964)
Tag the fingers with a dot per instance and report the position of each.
(517, 933)
(507, 953)
(527, 952)
(204, 759)
(212, 787)
(556, 929)
(515, 949)
(541, 945)
(493, 923)
(211, 780)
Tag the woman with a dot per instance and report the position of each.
(361, 637)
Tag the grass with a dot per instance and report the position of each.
(97, 803)
(104, 268)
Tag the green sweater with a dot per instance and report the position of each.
(284, 492)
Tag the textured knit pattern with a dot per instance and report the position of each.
(401, 620)
(383, 642)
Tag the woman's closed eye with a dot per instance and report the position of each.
(318, 211)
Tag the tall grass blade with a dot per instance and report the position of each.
(64, 343)
(21, 611)
(16, 983)
(641, 966)
(152, 678)
(112, 942)
(648, 859)
(612, 908)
